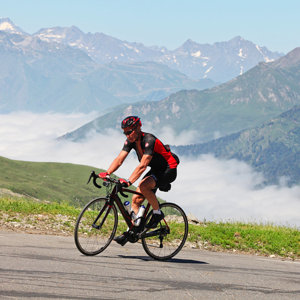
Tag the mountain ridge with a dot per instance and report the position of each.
(219, 62)
(261, 93)
(39, 76)
(272, 148)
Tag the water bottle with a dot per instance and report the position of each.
(127, 207)
(138, 217)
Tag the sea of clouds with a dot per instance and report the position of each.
(206, 187)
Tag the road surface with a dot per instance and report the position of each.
(51, 267)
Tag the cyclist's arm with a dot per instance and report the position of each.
(139, 170)
(117, 162)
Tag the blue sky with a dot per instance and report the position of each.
(169, 23)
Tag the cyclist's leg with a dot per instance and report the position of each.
(137, 201)
(146, 183)
(146, 187)
(163, 180)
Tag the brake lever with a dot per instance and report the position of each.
(119, 190)
(94, 176)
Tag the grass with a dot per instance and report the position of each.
(54, 182)
(58, 182)
(29, 206)
(256, 238)
(247, 238)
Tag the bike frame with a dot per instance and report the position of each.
(114, 198)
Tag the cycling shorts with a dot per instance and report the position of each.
(163, 179)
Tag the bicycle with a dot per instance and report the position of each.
(97, 224)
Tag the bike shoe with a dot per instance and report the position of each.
(121, 239)
(155, 219)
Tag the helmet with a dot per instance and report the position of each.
(131, 121)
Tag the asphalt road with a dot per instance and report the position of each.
(50, 267)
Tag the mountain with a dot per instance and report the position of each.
(247, 101)
(143, 81)
(43, 76)
(272, 148)
(100, 47)
(219, 62)
(7, 25)
(38, 76)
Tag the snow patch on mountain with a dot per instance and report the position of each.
(175, 108)
(208, 70)
(6, 26)
(132, 48)
(196, 54)
(266, 58)
(241, 70)
(241, 53)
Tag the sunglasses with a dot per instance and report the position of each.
(129, 132)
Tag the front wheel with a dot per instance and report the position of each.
(165, 241)
(96, 226)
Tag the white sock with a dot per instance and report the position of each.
(157, 211)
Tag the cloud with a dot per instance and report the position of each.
(168, 134)
(207, 187)
(222, 190)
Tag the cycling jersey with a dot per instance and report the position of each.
(162, 157)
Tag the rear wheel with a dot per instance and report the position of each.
(95, 227)
(170, 234)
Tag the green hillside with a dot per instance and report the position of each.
(272, 148)
(58, 182)
(54, 182)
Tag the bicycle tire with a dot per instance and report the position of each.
(88, 239)
(173, 232)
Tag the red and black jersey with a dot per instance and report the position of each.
(162, 157)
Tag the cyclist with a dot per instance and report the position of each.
(150, 152)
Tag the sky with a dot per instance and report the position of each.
(168, 23)
(208, 188)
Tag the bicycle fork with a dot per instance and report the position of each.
(100, 214)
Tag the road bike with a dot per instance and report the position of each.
(97, 224)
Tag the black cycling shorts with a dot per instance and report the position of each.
(163, 179)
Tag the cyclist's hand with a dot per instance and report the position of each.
(103, 175)
(124, 182)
